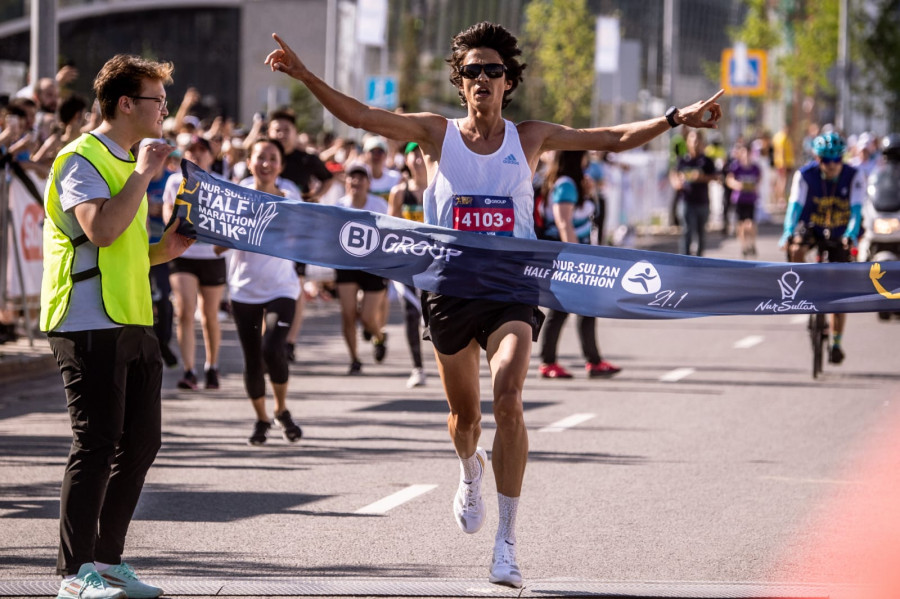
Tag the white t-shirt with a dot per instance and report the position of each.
(373, 203)
(80, 182)
(285, 185)
(257, 278)
(382, 185)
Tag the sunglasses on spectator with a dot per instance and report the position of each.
(493, 70)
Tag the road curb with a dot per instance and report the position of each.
(426, 587)
(20, 360)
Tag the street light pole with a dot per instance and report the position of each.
(842, 117)
(668, 58)
(44, 47)
(328, 119)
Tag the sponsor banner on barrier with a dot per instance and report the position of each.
(27, 219)
(583, 279)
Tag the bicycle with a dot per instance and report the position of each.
(817, 326)
(818, 335)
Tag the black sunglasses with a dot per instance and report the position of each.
(493, 70)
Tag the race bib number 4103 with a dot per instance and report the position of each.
(491, 215)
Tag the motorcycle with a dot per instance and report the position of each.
(880, 241)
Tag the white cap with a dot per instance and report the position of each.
(376, 141)
(357, 167)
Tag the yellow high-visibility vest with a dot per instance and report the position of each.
(123, 266)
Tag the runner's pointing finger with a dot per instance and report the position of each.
(716, 96)
(713, 106)
(276, 56)
(714, 109)
(284, 59)
(284, 47)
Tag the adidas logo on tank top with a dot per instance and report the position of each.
(511, 159)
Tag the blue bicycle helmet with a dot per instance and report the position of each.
(829, 146)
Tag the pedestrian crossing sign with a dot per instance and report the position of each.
(382, 92)
(744, 73)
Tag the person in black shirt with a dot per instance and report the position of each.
(691, 178)
(305, 169)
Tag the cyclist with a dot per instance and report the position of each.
(825, 209)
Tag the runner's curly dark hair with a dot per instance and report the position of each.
(486, 35)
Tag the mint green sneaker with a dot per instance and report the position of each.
(123, 577)
(88, 584)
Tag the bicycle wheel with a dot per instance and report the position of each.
(818, 335)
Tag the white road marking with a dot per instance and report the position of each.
(383, 506)
(748, 342)
(799, 319)
(676, 375)
(568, 422)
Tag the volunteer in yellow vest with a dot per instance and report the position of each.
(783, 160)
(97, 311)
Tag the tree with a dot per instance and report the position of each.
(559, 41)
(757, 30)
(408, 84)
(808, 31)
(803, 34)
(307, 109)
(881, 52)
(814, 52)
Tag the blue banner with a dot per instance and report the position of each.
(582, 279)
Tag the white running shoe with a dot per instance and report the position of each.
(88, 584)
(468, 507)
(504, 569)
(416, 379)
(122, 576)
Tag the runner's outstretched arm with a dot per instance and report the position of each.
(629, 135)
(421, 128)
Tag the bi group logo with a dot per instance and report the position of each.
(359, 239)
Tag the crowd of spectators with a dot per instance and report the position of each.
(39, 120)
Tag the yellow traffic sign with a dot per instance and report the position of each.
(747, 79)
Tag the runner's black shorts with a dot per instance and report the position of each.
(812, 238)
(210, 272)
(366, 281)
(745, 211)
(452, 322)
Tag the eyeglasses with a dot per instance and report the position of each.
(493, 70)
(163, 104)
(829, 160)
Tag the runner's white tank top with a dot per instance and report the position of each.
(456, 197)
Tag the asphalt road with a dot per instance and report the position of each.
(712, 466)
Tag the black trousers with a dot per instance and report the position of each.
(587, 336)
(112, 379)
(412, 309)
(159, 283)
